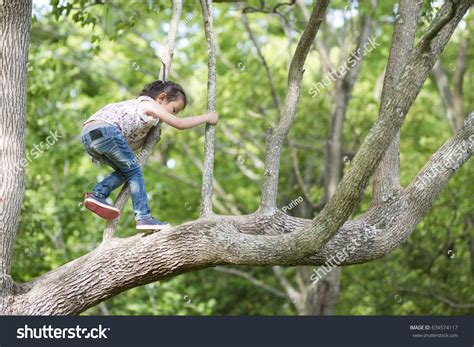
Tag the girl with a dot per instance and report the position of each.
(111, 134)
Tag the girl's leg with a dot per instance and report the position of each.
(121, 157)
(95, 201)
(108, 184)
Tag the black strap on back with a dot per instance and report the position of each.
(95, 134)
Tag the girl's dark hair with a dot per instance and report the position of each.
(172, 90)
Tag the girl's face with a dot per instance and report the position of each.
(173, 107)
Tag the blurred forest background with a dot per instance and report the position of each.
(84, 55)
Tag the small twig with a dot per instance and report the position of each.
(251, 279)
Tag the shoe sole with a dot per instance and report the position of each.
(102, 210)
(153, 227)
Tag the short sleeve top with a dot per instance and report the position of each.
(128, 116)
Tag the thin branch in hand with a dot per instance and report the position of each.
(208, 173)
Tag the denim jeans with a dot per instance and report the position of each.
(112, 149)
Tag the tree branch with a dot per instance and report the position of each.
(121, 264)
(387, 175)
(274, 146)
(391, 117)
(256, 282)
(276, 101)
(318, 44)
(291, 292)
(441, 79)
(208, 173)
(342, 96)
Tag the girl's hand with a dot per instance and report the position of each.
(212, 118)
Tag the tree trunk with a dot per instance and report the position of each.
(15, 19)
(321, 298)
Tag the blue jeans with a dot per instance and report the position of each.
(113, 149)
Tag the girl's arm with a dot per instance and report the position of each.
(155, 110)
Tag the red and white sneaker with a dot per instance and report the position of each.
(100, 207)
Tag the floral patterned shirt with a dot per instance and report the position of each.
(128, 116)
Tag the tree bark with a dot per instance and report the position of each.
(442, 83)
(387, 175)
(15, 20)
(210, 133)
(321, 298)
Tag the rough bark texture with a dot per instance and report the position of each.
(15, 19)
(208, 172)
(264, 238)
(387, 176)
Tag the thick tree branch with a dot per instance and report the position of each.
(441, 167)
(387, 175)
(121, 264)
